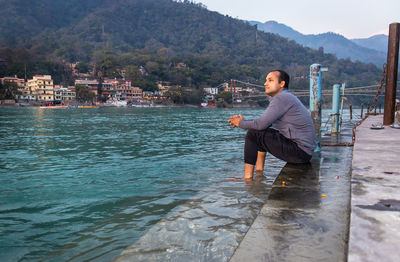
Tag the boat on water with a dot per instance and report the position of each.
(141, 105)
(207, 104)
(86, 106)
(54, 107)
(116, 103)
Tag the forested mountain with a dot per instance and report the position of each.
(357, 49)
(376, 42)
(155, 34)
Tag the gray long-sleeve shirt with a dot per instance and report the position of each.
(288, 115)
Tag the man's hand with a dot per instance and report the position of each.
(234, 120)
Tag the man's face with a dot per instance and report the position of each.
(272, 85)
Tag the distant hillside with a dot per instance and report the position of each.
(156, 35)
(376, 42)
(332, 43)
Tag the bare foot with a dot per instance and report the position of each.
(259, 173)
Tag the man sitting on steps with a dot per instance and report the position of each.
(285, 129)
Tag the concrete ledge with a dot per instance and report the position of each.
(375, 198)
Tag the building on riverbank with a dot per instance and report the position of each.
(63, 94)
(19, 81)
(39, 88)
(121, 89)
(116, 89)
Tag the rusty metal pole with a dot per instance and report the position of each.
(351, 112)
(362, 107)
(316, 99)
(391, 74)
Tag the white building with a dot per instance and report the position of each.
(211, 90)
(64, 95)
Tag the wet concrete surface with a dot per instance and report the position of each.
(306, 216)
(208, 227)
(375, 200)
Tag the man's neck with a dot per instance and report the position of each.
(280, 90)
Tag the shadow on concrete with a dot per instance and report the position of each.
(297, 186)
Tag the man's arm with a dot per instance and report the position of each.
(274, 111)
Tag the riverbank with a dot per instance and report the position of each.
(17, 105)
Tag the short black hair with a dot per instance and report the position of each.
(283, 76)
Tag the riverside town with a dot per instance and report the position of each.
(89, 90)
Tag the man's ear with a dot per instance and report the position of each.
(282, 83)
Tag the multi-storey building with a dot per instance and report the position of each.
(211, 90)
(114, 88)
(163, 86)
(20, 83)
(234, 89)
(41, 87)
(64, 95)
(130, 91)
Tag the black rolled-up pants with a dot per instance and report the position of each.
(270, 140)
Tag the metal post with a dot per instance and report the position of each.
(362, 107)
(315, 99)
(380, 108)
(391, 74)
(335, 109)
(341, 106)
(351, 112)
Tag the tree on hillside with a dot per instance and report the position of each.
(107, 62)
(82, 67)
(84, 94)
(9, 90)
(193, 96)
(133, 74)
(175, 94)
(225, 97)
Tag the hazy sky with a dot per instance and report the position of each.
(351, 18)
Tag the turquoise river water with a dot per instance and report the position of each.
(83, 184)
(86, 184)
